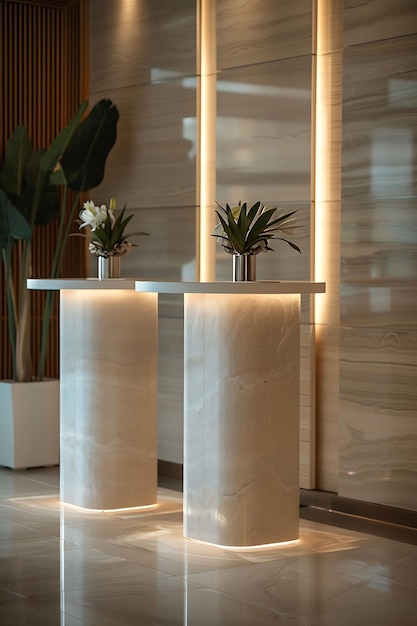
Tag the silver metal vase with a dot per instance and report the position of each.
(108, 267)
(244, 267)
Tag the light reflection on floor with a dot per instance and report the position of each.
(61, 566)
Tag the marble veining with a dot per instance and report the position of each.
(108, 398)
(263, 141)
(372, 20)
(153, 161)
(241, 418)
(269, 34)
(379, 103)
(378, 350)
(379, 263)
(140, 43)
(378, 416)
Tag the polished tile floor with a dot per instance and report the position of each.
(60, 566)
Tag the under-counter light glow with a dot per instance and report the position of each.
(261, 546)
(121, 510)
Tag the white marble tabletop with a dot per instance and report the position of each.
(249, 287)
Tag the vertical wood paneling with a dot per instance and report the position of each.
(43, 59)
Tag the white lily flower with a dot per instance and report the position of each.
(108, 237)
(92, 215)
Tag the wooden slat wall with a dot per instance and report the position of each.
(44, 78)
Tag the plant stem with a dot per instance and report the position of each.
(11, 305)
(62, 237)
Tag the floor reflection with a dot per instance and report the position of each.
(63, 566)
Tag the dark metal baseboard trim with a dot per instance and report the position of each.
(366, 517)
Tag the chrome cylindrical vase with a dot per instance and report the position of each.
(109, 267)
(244, 267)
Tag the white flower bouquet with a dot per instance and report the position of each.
(108, 237)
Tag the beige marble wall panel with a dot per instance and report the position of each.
(379, 263)
(372, 20)
(168, 253)
(378, 411)
(256, 31)
(379, 111)
(135, 42)
(380, 305)
(307, 407)
(327, 393)
(153, 161)
(263, 131)
(171, 389)
(378, 365)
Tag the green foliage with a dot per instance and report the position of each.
(249, 232)
(108, 236)
(13, 225)
(83, 161)
(29, 181)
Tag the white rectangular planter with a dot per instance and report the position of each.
(29, 424)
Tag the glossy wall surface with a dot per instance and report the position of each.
(144, 58)
(378, 291)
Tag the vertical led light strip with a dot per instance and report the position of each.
(327, 123)
(206, 139)
(327, 130)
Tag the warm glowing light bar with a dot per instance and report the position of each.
(206, 125)
(121, 510)
(261, 546)
(327, 89)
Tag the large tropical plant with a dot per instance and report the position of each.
(29, 195)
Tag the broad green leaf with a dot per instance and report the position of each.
(18, 150)
(13, 226)
(84, 159)
(241, 222)
(60, 143)
(252, 212)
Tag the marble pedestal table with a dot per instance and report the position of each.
(108, 376)
(241, 409)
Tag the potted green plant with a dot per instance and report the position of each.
(245, 233)
(34, 189)
(108, 240)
